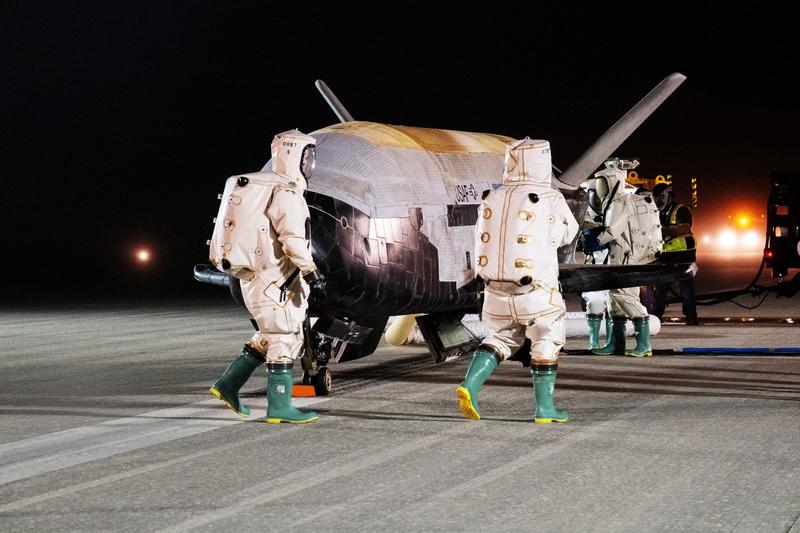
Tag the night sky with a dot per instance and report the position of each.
(121, 121)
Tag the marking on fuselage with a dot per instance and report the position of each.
(462, 215)
(467, 193)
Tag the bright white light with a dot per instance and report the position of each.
(143, 255)
(706, 238)
(727, 239)
(750, 239)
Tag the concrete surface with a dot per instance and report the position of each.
(107, 425)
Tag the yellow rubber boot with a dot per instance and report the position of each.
(641, 328)
(484, 361)
(279, 397)
(615, 343)
(544, 383)
(594, 330)
(233, 379)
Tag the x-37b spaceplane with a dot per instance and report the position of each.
(393, 210)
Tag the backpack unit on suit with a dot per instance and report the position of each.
(241, 245)
(645, 229)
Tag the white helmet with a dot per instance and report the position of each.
(293, 154)
(528, 160)
(610, 180)
(595, 202)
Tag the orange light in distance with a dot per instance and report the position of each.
(744, 220)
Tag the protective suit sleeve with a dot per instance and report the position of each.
(569, 221)
(288, 211)
(617, 213)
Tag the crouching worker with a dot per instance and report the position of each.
(261, 237)
(520, 227)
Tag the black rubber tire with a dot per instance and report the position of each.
(323, 381)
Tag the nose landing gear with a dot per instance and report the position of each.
(321, 380)
(314, 360)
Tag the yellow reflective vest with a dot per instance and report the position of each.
(680, 243)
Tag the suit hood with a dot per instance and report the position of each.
(615, 178)
(287, 155)
(528, 161)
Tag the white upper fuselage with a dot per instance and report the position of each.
(385, 170)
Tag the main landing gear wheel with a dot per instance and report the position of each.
(322, 381)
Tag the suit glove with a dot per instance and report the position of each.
(317, 283)
(590, 242)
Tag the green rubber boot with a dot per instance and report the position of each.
(233, 379)
(615, 343)
(544, 382)
(279, 397)
(484, 361)
(594, 330)
(641, 328)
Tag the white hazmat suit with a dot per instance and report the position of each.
(520, 227)
(633, 235)
(627, 243)
(261, 237)
(263, 240)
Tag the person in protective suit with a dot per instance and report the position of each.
(679, 247)
(276, 293)
(520, 227)
(623, 304)
(595, 253)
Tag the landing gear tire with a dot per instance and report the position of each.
(323, 381)
(306, 378)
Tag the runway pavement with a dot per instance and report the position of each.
(107, 425)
